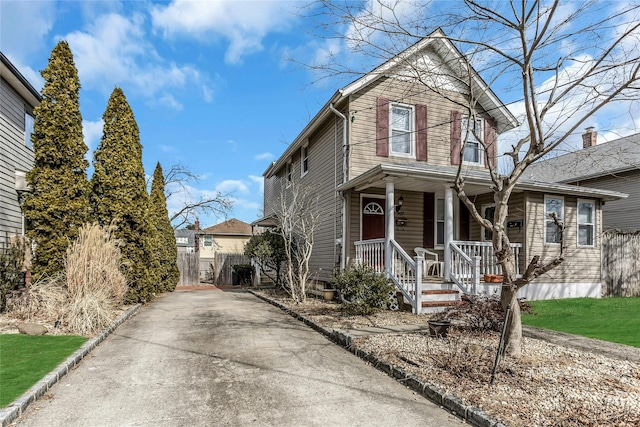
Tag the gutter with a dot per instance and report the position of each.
(343, 246)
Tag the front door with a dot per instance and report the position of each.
(372, 218)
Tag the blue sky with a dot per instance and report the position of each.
(208, 82)
(210, 86)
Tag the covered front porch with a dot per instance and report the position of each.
(430, 276)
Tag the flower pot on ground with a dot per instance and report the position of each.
(329, 294)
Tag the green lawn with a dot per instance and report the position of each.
(26, 359)
(609, 319)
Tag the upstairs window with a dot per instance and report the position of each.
(207, 241)
(586, 223)
(401, 129)
(473, 147)
(552, 233)
(304, 160)
(182, 240)
(28, 129)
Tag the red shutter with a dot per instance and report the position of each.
(456, 136)
(382, 127)
(421, 132)
(491, 141)
(428, 237)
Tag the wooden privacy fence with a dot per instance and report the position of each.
(621, 263)
(189, 266)
(223, 267)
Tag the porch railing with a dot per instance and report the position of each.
(405, 272)
(371, 252)
(484, 250)
(465, 270)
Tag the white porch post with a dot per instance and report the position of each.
(448, 231)
(389, 234)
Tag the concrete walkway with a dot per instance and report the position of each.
(211, 357)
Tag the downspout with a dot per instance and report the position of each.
(343, 246)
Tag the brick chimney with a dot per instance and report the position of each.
(196, 234)
(589, 138)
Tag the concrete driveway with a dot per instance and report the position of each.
(211, 357)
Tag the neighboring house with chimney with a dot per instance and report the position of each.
(185, 240)
(381, 156)
(612, 166)
(18, 98)
(227, 237)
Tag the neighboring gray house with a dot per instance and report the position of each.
(613, 165)
(185, 240)
(17, 101)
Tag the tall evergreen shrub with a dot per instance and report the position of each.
(58, 203)
(119, 195)
(166, 248)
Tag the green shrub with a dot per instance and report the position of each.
(362, 290)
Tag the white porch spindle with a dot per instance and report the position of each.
(448, 231)
(417, 308)
(389, 225)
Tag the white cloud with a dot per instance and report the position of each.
(258, 180)
(167, 148)
(92, 131)
(231, 186)
(19, 40)
(114, 51)
(263, 156)
(242, 24)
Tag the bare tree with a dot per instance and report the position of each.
(179, 192)
(559, 62)
(297, 211)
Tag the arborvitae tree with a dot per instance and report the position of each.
(58, 203)
(166, 249)
(119, 195)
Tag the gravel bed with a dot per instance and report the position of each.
(550, 385)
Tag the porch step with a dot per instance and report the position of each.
(439, 292)
(434, 304)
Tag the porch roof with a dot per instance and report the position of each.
(421, 178)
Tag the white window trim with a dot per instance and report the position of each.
(547, 219)
(412, 130)
(463, 130)
(594, 223)
(368, 196)
(304, 170)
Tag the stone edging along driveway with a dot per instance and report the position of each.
(18, 406)
(470, 414)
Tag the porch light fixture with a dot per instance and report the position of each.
(400, 203)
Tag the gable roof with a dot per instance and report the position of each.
(18, 82)
(453, 58)
(620, 155)
(232, 227)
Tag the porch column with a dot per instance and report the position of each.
(448, 231)
(389, 234)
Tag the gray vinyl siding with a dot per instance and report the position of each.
(581, 264)
(324, 174)
(14, 155)
(362, 144)
(622, 214)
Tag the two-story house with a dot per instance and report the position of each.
(18, 98)
(382, 155)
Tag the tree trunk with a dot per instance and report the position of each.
(508, 295)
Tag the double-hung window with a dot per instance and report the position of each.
(586, 223)
(304, 160)
(553, 205)
(439, 222)
(473, 146)
(402, 129)
(207, 241)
